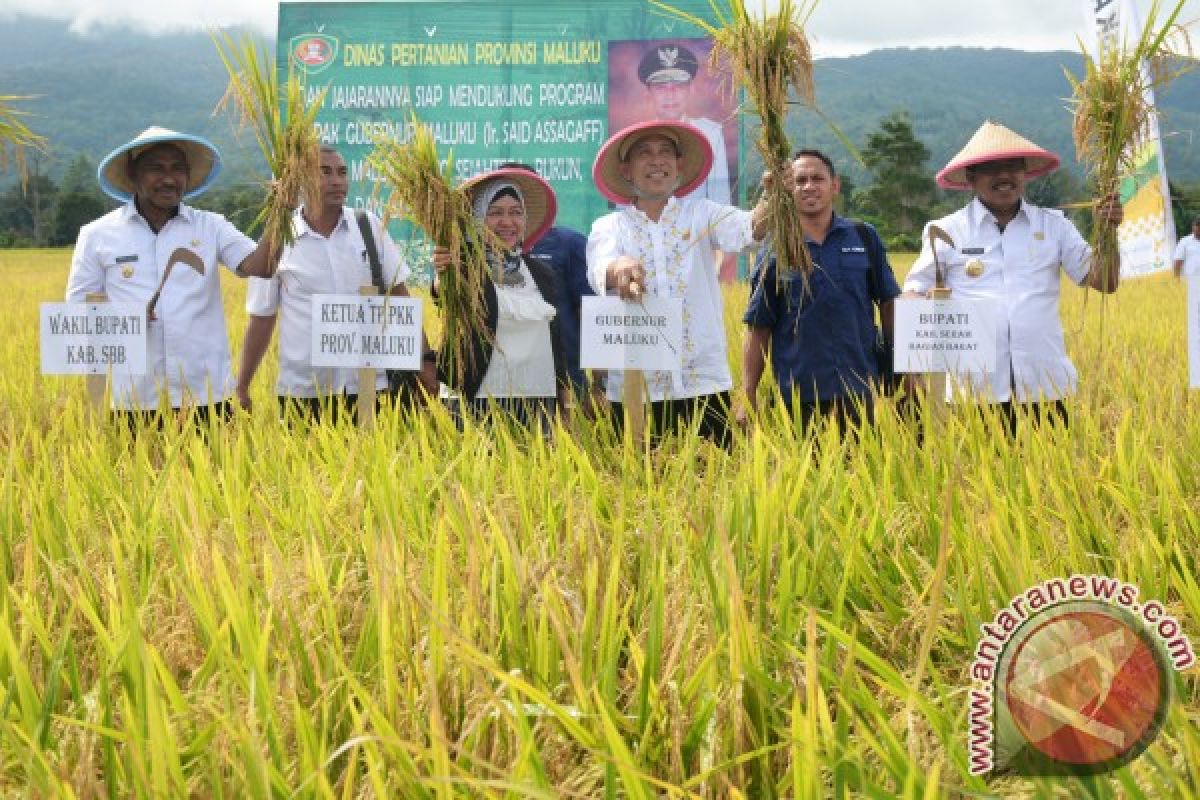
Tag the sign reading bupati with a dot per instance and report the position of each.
(950, 335)
(646, 335)
(349, 330)
(93, 338)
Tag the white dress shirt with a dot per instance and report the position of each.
(1021, 275)
(677, 254)
(1188, 251)
(316, 265)
(187, 347)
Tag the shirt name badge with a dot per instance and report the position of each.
(127, 261)
(854, 249)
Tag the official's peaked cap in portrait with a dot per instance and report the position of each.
(668, 63)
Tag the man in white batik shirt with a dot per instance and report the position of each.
(663, 244)
(1011, 252)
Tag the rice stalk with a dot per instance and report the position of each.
(1112, 112)
(16, 137)
(769, 57)
(422, 191)
(283, 120)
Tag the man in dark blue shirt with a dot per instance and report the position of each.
(821, 336)
(565, 252)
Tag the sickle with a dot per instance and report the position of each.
(178, 255)
(935, 234)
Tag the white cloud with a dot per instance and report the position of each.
(837, 27)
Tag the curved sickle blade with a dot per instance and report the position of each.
(180, 255)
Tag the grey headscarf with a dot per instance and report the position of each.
(508, 266)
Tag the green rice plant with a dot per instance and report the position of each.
(417, 612)
(283, 118)
(1112, 108)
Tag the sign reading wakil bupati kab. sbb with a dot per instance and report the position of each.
(521, 80)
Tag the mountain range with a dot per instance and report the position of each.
(94, 91)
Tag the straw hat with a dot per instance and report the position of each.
(994, 142)
(541, 205)
(204, 162)
(697, 158)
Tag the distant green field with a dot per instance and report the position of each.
(414, 612)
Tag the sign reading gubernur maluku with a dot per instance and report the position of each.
(93, 338)
(646, 335)
(355, 331)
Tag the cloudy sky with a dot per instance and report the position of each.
(838, 27)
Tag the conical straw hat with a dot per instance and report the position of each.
(689, 141)
(994, 142)
(204, 162)
(541, 204)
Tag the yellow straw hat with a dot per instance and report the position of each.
(689, 141)
(994, 142)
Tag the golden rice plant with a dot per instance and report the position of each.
(423, 192)
(15, 135)
(769, 57)
(283, 121)
(1112, 108)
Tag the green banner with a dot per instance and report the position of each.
(530, 81)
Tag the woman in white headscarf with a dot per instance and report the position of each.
(521, 370)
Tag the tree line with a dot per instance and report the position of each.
(899, 198)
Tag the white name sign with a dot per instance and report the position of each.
(646, 334)
(350, 330)
(1193, 317)
(950, 335)
(93, 338)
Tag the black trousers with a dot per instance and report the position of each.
(534, 413)
(708, 413)
(199, 417)
(1036, 414)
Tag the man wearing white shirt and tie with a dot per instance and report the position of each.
(1011, 252)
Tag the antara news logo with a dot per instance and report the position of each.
(1073, 677)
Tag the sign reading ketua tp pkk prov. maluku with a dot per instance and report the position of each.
(93, 338)
(646, 334)
(952, 335)
(355, 331)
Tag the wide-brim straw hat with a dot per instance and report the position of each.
(541, 204)
(204, 162)
(692, 144)
(994, 142)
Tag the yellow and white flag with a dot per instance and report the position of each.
(1147, 236)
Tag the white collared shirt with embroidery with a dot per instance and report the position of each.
(1020, 274)
(677, 254)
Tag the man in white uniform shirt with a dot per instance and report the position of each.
(663, 244)
(1010, 252)
(158, 252)
(329, 256)
(1187, 253)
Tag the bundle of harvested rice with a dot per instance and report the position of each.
(1112, 109)
(422, 191)
(769, 56)
(15, 136)
(283, 125)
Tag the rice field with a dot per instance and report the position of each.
(418, 613)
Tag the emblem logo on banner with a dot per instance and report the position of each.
(314, 51)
